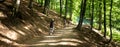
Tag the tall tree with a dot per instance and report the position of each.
(66, 8)
(66, 11)
(104, 18)
(110, 25)
(92, 14)
(82, 13)
(110, 19)
(30, 4)
(100, 14)
(16, 4)
(46, 6)
(71, 7)
(52, 4)
(61, 8)
(41, 2)
(89, 8)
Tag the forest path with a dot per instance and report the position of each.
(65, 37)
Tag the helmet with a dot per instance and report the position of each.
(53, 19)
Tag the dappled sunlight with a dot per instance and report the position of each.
(39, 14)
(32, 44)
(21, 32)
(97, 31)
(86, 38)
(8, 41)
(69, 27)
(67, 43)
(28, 26)
(54, 43)
(74, 40)
(40, 30)
(64, 30)
(47, 41)
(2, 14)
(10, 34)
(2, 27)
(52, 36)
(5, 40)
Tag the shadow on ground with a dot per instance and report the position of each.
(26, 25)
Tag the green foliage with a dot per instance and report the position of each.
(55, 5)
(115, 35)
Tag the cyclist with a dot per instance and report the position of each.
(51, 26)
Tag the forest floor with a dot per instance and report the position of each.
(67, 37)
(31, 29)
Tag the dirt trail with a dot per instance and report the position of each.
(60, 38)
(66, 37)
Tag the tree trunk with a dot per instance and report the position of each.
(66, 8)
(105, 18)
(89, 8)
(15, 4)
(110, 25)
(100, 15)
(46, 6)
(61, 8)
(82, 13)
(92, 14)
(41, 2)
(30, 4)
(66, 11)
(71, 7)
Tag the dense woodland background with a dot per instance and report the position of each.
(99, 10)
(96, 9)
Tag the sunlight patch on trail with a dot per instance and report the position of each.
(61, 37)
(64, 30)
(2, 14)
(10, 34)
(74, 40)
(49, 41)
(52, 36)
(28, 26)
(53, 44)
(21, 32)
(8, 41)
(5, 40)
(68, 43)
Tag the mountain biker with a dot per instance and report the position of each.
(51, 26)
